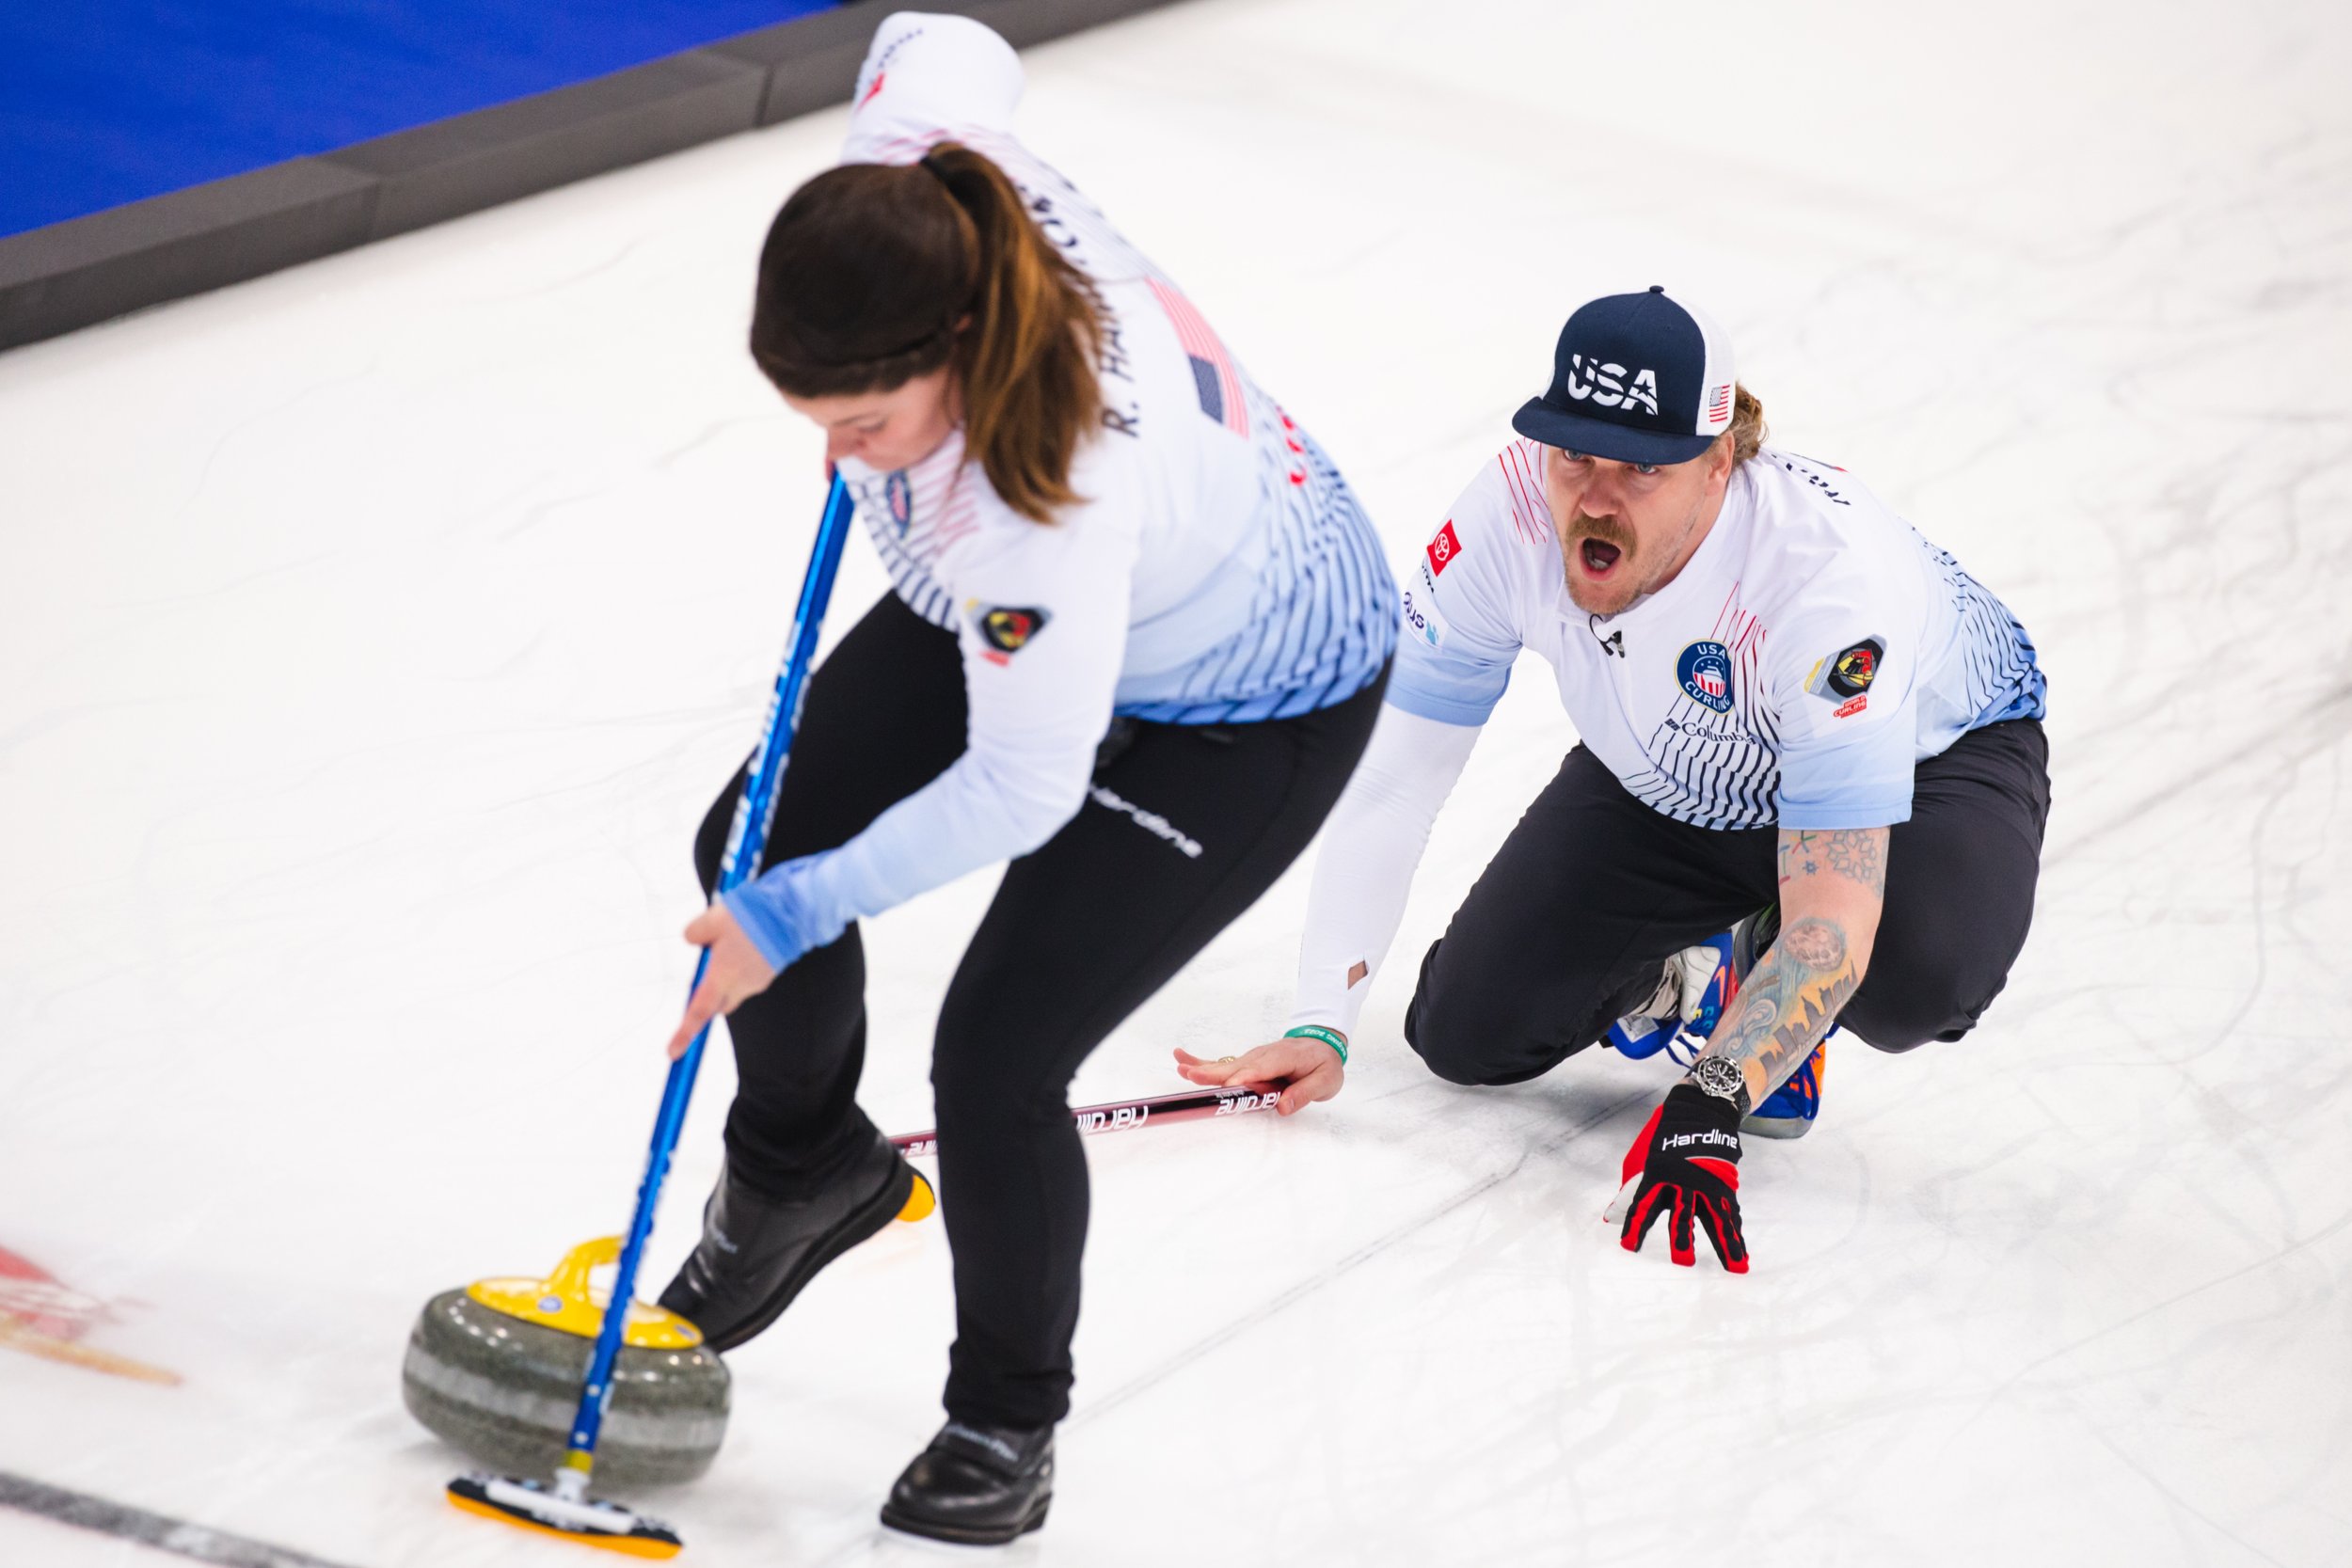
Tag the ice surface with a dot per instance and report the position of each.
(374, 634)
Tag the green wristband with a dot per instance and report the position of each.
(1331, 1037)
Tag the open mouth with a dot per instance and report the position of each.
(1599, 557)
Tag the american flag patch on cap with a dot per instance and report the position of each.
(1719, 406)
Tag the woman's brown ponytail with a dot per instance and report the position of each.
(1030, 393)
(873, 274)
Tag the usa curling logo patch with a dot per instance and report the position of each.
(1704, 671)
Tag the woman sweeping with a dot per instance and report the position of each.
(1138, 642)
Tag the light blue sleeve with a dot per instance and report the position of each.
(1042, 616)
(1848, 754)
(1845, 788)
(1459, 637)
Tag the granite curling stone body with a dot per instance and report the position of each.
(497, 1367)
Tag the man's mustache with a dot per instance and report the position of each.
(1607, 529)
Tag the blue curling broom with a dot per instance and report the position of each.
(562, 1506)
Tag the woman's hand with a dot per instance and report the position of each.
(737, 974)
(1310, 1069)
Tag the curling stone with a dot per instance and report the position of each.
(497, 1368)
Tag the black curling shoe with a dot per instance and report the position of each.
(975, 1485)
(758, 1252)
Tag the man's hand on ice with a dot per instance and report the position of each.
(1685, 1165)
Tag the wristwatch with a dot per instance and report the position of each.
(1721, 1076)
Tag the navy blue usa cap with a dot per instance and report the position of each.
(1637, 378)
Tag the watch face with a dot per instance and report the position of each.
(1719, 1076)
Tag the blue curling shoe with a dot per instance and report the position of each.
(1698, 983)
(1640, 1035)
(1695, 992)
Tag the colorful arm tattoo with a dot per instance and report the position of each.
(1832, 887)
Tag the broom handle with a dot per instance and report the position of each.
(1125, 1116)
(746, 836)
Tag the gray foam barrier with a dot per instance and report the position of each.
(91, 269)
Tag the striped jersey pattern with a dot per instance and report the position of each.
(1323, 621)
(1521, 463)
(2004, 677)
(1718, 769)
(908, 538)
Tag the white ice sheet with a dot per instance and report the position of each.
(372, 637)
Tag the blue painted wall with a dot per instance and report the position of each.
(103, 102)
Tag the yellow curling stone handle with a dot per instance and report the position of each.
(564, 1301)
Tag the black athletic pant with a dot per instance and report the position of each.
(1566, 930)
(1080, 933)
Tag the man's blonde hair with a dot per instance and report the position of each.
(1747, 430)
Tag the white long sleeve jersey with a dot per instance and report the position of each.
(1793, 674)
(1216, 570)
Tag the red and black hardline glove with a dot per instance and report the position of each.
(1686, 1165)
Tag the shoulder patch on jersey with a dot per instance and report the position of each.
(1007, 629)
(1704, 671)
(1847, 673)
(1443, 548)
